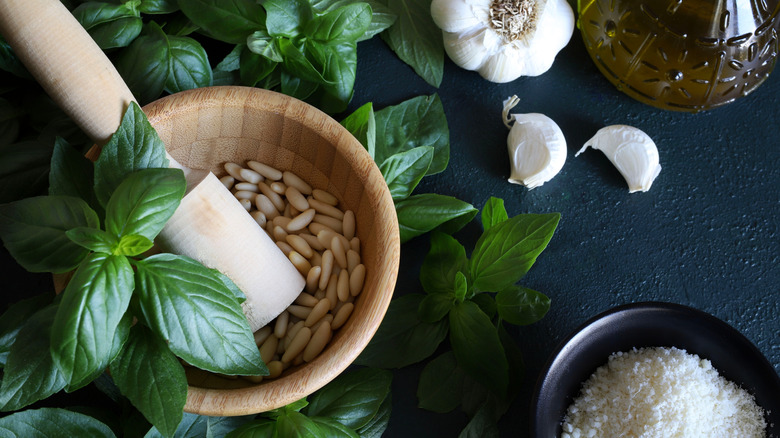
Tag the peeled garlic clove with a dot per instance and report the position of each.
(537, 148)
(633, 153)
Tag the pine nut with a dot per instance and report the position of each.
(245, 194)
(312, 280)
(294, 180)
(234, 170)
(266, 206)
(327, 268)
(259, 217)
(279, 234)
(246, 203)
(307, 300)
(356, 280)
(282, 221)
(265, 170)
(268, 349)
(300, 245)
(329, 221)
(285, 247)
(299, 311)
(326, 209)
(355, 244)
(280, 326)
(291, 332)
(317, 342)
(317, 312)
(299, 262)
(342, 315)
(339, 252)
(272, 195)
(327, 318)
(348, 224)
(297, 344)
(343, 286)
(296, 199)
(245, 186)
(313, 242)
(261, 335)
(250, 176)
(323, 196)
(227, 181)
(301, 221)
(275, 369)
(331, 293)
(353, 259)
(278, 187)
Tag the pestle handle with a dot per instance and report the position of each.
(67, 63)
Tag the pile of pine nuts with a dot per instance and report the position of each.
(319, 239)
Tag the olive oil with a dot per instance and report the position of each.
(684, 55)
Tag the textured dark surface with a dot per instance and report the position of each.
(705, 235)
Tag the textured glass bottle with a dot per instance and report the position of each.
(684, 55)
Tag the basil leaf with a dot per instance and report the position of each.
(158, 6)
(110, 25)
(362, 125)
(144, 65)
(144, 201)
(419, 121)
(132, 245)
(263, 44)
(434, 307)
(229, 21)
(376, 427)
(297, 63)
(296, 425)
(477, 347)
(493, 213)
(332, 428)
(444, 260)
(486, 302)
(404, 170)
(441, 384)
(347, 23)
(33, 231)
(23, 169)
(15, 317)
(297, 87)
(482, 425)
(188, 65)
(505, 252)
(199, 426)
(253, 68)
(381, 19)
(403, 331)
(93, 239)
(353, 398)
(199, 317)
(340, 69)
(261, 428)
(52, 422)
(461, 286)
(92, 306)
(231, 61)
(152, 378)
(134, 146)
(419, 214)
(30, 374)
(286, 18)
(71, 173)
(416, 39)
(522, 306)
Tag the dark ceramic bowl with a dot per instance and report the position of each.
(651, 325)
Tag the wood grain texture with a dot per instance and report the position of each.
(67, 63)
(203, 129)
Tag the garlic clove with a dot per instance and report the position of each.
(536, 145)
(459, 15)
(466, 50)
(631, 151)
(503, 66)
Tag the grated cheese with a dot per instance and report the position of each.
(662, 393)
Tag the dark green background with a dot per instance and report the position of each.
(705, 235)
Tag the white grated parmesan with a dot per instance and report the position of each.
(662, 393)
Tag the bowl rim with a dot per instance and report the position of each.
(255, 398)
(610, 315)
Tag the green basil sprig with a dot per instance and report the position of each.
(409, 141)
(469, 299)
(184, 310)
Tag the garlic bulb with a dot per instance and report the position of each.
(632, 152)
(504, 39)
(537, 148)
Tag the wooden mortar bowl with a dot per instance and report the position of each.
(206, 127)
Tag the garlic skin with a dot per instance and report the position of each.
(504, 39)
(631, 151)
(536, 145)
